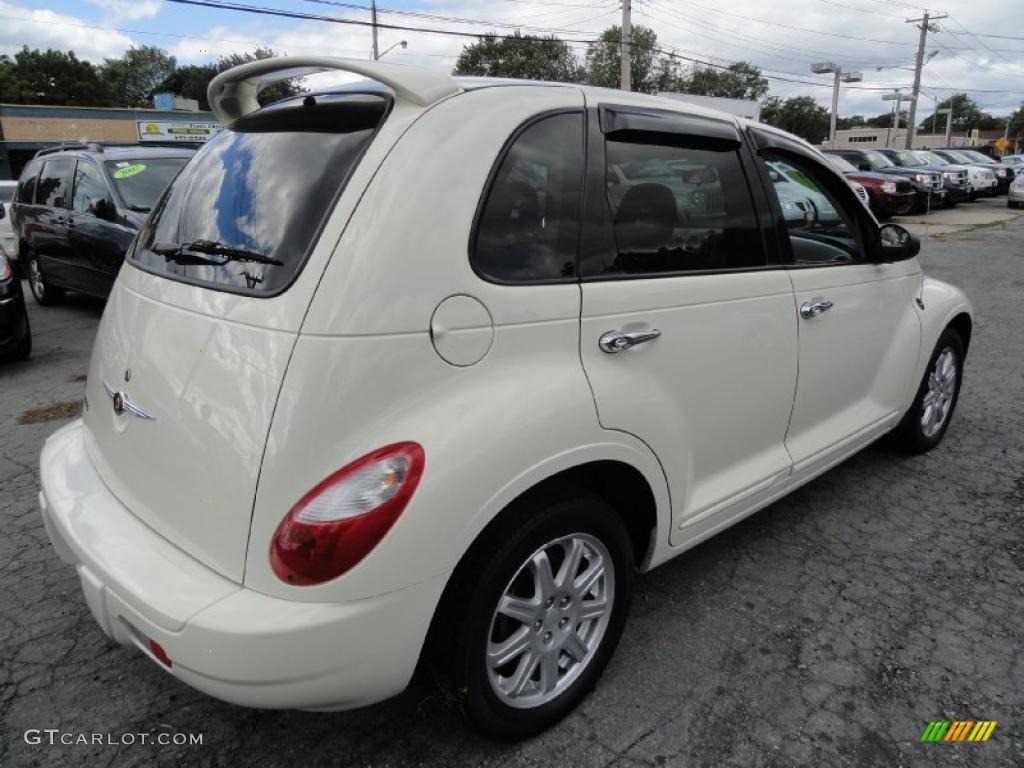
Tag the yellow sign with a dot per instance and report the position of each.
(1003, 144)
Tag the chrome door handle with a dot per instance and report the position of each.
(814, 308)
(619, 341)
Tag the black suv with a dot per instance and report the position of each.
(77, 209)
(930, 192)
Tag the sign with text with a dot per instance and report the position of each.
(156, 130)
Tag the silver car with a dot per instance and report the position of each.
(1015, 195)
(8, 241)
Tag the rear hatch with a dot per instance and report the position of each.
(199, 328)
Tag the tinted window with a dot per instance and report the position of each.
(88, 186)
(679, 209)
(52, 187)
(27, 183)
(822, 228)
(7, 193)
(529, 225)
(264, 188)
(140, 182)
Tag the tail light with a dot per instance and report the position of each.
(336, 524)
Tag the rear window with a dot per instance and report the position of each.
(140, 181)
(243, 215)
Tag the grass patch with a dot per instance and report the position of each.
(64, 409)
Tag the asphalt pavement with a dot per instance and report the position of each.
(827, 630)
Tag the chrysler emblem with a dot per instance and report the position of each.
(123, 405)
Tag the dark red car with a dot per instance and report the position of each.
(888, 196)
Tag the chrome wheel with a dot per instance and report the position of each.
(938, 400)
(35, 279)
(550, 620)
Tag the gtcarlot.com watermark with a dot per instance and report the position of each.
(55, 736)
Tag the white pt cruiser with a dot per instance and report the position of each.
(424, 370)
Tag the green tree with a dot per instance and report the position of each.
(848, 123)
(800, 115)
(522, 56)
(741, 80)
(279, 90)
(131, 80)
(651, 69)
(49, 77)
(191, 82)
(967, 115)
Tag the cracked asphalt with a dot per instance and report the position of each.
(826, 630)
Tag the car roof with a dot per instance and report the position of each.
(118, 151)
(630, 98)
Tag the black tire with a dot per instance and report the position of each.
(465, 621)
(44, 292)
(24, 347)
(911, 436)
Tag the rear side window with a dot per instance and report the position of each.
(27, 183)
(679, 209)
(243, 215)
(528, 227)
(54, 180)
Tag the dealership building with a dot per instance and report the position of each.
(26, 128)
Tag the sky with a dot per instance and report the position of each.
(980, 45)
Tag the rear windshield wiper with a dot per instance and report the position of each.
(182, 254)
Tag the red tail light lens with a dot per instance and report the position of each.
(336, 524)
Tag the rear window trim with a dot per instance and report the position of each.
(313, 243)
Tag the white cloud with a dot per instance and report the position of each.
(47, 29)
(129, 9)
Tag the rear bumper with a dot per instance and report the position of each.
(223, 639)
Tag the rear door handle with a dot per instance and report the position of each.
(619, 341)
(814, 308)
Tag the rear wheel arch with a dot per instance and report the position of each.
(621, 485)
(963, 325)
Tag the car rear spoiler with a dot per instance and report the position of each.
(232, 94)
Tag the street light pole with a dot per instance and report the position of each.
(625, 68)
(898, 98)
(824, 67)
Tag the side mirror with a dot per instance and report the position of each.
(102, 208)
(774, 175)
(3, 211)
(896, 244)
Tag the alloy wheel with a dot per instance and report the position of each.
(550, 620)
(938, 400)
(35, 279)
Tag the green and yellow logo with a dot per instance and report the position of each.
(958, 730)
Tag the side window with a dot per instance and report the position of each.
(679, 209)
(822, 226)
(529, 225)
(89, 185)
(52, 187)
(27, 183)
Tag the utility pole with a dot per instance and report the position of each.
(824, 67)
(373, 19)
(925, 25)
(625, 70)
